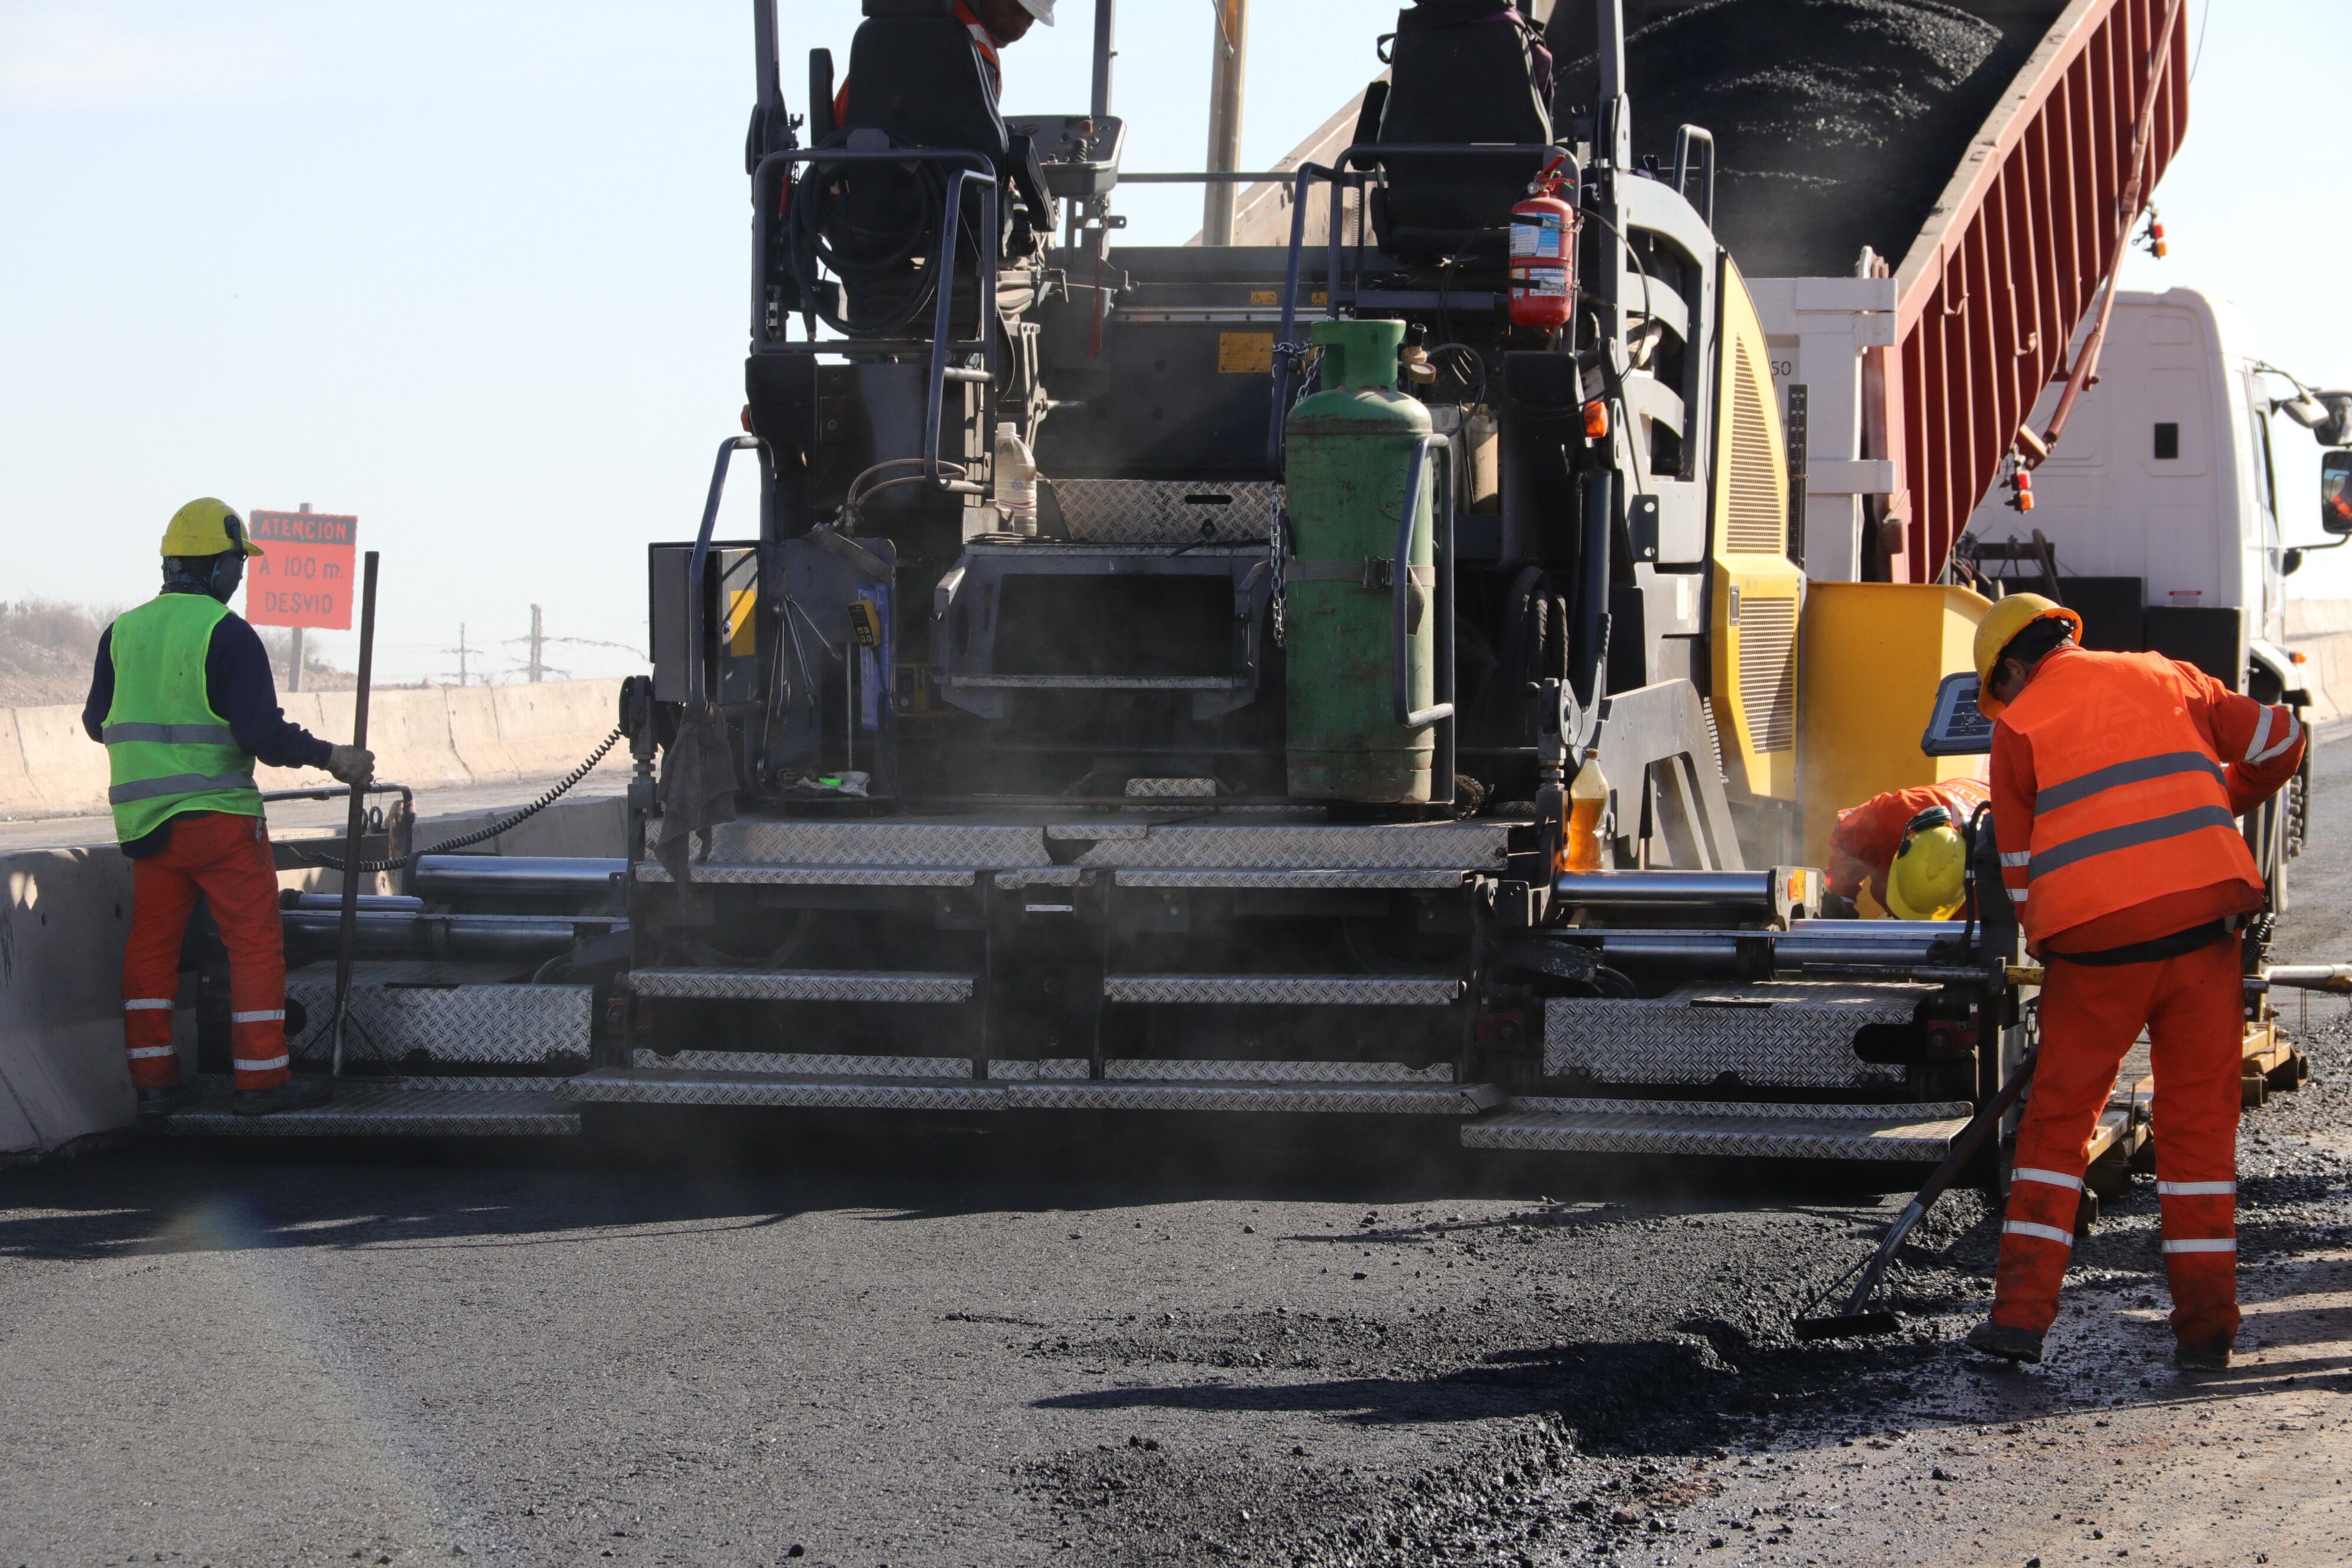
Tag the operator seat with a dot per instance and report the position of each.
(915, 75)
(1460, 71)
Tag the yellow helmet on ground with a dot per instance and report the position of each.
(2000, 628)
(1928, 881)
(206, 526)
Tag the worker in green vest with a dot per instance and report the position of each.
(184, 700)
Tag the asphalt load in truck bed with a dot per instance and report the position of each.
(1837, 123)
(872, 1343)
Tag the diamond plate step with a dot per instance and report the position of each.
(1905, 1134)
(671, 1087)
(657, 1086)
(1371, 1098)
(392, 1107)
(1286, 990)
(802, 985)
(447, 1012)
(1788, 1034)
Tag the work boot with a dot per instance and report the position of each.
(154, 1104)
(1992, 1339)
(294, 1094)
(2213, 1357)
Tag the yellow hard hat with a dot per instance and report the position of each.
(2000, 628)
(207, 527)
(1928, 881)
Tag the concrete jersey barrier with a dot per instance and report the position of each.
(430, 738)
(64, 915)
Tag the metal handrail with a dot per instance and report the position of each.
(1400, 599)
(697, 631)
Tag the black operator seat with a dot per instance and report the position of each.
(918, 76)
(915, 75)
(1461, 71)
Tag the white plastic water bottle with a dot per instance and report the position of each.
(1016, 481)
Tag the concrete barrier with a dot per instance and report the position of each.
(63, 1077)
(64, 915)
(430, 738)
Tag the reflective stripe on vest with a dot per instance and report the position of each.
(169, 734)
(2130, 802)
(167, 751)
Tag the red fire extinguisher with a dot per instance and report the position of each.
(1543, 254)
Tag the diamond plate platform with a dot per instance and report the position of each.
(1427, 881)
(657, 1086)
(1784, 1034)
(1453, 846)
(802, 985)
(1150, 1071)
(1905, 1134)
(779, 1064)
(918, 853)
(392, 1107)
(400, 1009)
(619, 1086)
(730, 875)
(1280, 1098)
(1286, 990)
(1163, 512)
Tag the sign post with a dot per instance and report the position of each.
(306, 577)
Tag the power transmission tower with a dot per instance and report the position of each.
(464, 675)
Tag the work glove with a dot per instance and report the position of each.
(1836, 909)
(352, 764)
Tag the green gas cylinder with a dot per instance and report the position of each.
(1350, 449)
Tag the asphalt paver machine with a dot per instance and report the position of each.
(1373, 674)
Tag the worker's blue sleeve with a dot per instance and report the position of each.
(238, 685)
(102, 688)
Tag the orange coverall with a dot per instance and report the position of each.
(2116, 781)
(1861, 849)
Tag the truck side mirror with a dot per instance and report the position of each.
(2335, 492)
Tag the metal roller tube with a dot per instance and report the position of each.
(1907, 946)
(401, 934)
(375, 902)
(516, 876)
(1667, 890)
(2333, 978)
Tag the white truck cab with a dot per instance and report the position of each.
(2157, 515)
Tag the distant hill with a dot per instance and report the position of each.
(47, 646)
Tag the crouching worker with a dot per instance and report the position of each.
(184, 700)
(2117, 781)
(1870, 837)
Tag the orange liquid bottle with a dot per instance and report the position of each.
(1582, 847)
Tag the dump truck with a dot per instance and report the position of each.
(1403, 669)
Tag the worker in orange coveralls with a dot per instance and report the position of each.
(2117, 781)
(1862, 846)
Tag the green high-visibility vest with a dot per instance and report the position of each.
(168, 751)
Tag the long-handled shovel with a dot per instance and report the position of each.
(1858, 1318)
(347, 933)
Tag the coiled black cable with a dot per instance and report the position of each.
(465, 840)
(812, 211)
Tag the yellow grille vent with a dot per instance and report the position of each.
(1768, 672)
(1756, 518)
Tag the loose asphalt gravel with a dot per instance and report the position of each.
(883, 1345)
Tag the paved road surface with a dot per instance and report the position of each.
(936, 1347)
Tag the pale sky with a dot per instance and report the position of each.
(477, 271)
